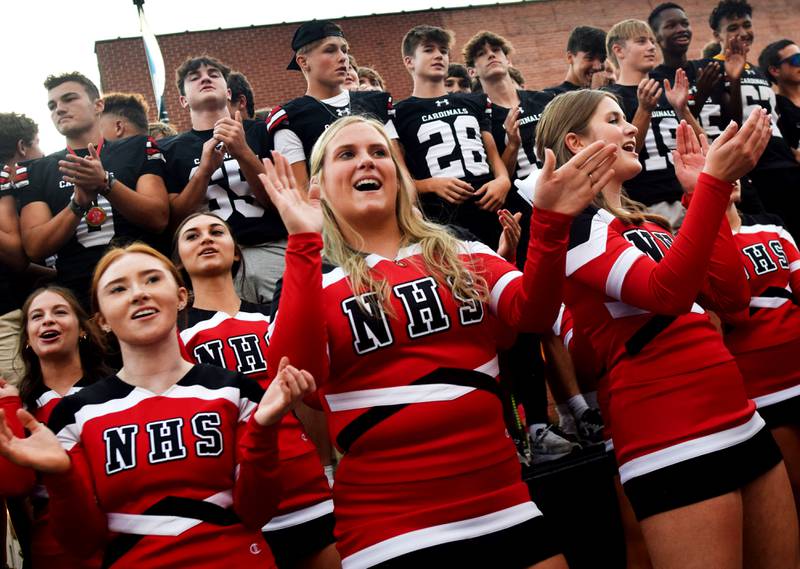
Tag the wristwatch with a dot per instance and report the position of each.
(77, 208)
(110, 179)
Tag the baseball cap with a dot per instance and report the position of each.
(311, 32)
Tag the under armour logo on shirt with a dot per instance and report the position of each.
(342, 112)
(441, 102)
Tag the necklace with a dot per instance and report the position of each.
(340, 111)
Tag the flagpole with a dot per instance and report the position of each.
(155, 62)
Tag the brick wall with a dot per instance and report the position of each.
(538, 30)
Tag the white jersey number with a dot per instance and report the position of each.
(464, 132)
(228, 202)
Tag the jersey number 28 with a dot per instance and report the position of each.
(464, 132)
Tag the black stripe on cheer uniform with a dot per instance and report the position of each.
(452, 376)
(171, 506)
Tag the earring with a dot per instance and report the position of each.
(181, 306)
(106, 329)
(82, 337)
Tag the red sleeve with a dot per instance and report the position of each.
(298, 327)
(793, 258)
(725, 289)
(531, 303)
(14, 480)
(75, 517)
(671, 286)
(257, 491)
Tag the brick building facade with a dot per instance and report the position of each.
(538, 29)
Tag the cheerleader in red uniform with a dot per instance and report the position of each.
(221, 329)
(401, 328)
(63, 351)
(766, 339)
(166, 463)
(694, 457)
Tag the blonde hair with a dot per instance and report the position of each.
(116, 253)
(572, 112)
(440, 250)
(622, 32)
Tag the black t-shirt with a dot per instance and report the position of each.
(789, 121)
(228, 194)
(756, 92)
(442, 139)
(531, 106)
(308, 117)
(657, 181)
(564, 87)
(41, 181)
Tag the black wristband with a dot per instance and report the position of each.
(76, 208)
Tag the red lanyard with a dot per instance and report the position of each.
(99, 147)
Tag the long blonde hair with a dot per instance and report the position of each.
(440, 250)
(572, 112)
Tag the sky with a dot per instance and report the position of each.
(63, 35)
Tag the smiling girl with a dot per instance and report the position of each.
(165, 463)
(222, 329)
(401, 330)
(63, 352)
(694, 457)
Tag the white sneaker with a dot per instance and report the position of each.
(549, 443)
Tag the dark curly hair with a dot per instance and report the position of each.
(728, 9)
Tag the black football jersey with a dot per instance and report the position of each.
(756, 92)
(308, 117)
(41, 181)
(442, 139)
(228, 195)
(564, 87)
(531, 106)
(657, 181)
(789, 121)
(442, 136)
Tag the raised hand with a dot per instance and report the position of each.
(571, 188)
(231, 132)
(707, 79)
(300, 213)
(689, 156)
(509, 238)
(87, 172)
(648, 93)
(737, 150)
(284, 393)
(735, 59)
(40, 450)
(511, 126)
(678, 96)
